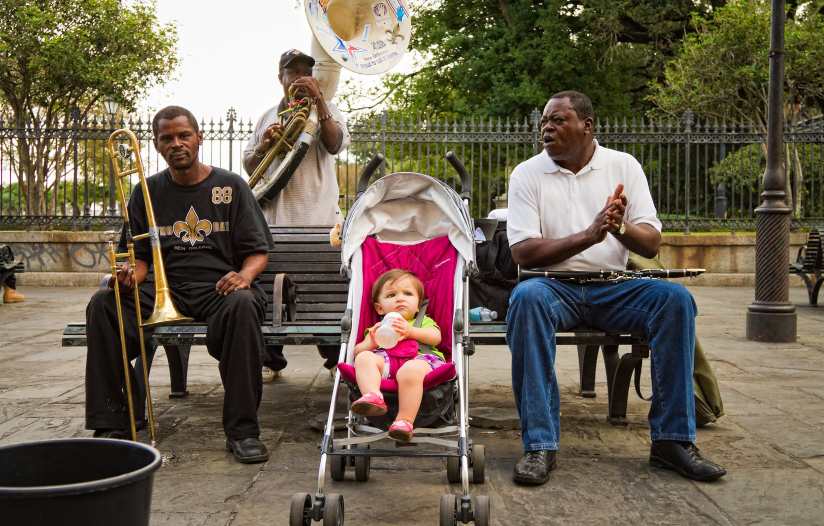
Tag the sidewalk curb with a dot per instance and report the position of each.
(60, 279)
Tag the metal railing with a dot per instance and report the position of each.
(702, 175)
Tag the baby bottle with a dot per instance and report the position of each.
(385, 335)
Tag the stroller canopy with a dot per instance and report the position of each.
(406, 208)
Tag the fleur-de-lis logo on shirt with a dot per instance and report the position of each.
(193, 229)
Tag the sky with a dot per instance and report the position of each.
(228, 53)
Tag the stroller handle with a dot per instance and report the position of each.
(368, 172)
(466, 179)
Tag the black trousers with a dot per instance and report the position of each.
(234, 339)
(11, 281)
(274, 359)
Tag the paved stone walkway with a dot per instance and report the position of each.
(771, 441)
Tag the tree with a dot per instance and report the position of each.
(723, 71)
(502, 58)
(59, 59)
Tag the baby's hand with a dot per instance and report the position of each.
(401, 327)
(370, 334)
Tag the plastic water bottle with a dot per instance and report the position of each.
(385, 335)
(482, 314)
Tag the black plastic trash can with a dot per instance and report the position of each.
(77, 482)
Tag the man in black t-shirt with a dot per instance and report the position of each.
(214, 240)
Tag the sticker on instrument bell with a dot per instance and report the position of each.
(379, 38)
(399, 9)
(221, 195)
(380, 10)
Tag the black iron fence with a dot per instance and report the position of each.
(703, 175)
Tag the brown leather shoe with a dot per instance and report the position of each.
(12, 296)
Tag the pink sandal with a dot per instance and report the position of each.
(370, 404)
(401, 430)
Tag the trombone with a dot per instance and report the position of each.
(127, 162)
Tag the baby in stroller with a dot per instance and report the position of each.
(405, 234)
(408, 362)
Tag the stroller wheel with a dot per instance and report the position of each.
(480, 510)
(362, 465)
(453, 469)
(478, 459)
(333, 510)
(448, 510)
(299, 510)
(337, 466)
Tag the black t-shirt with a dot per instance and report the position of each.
(205, 230)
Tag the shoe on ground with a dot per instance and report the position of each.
(120, 434)
(268, 375)
(401, 430)
(685, 459)
(370, 404)
(247, 450)
(534, 466)
(12, 296)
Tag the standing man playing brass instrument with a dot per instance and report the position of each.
(214, 240)
(311, 195)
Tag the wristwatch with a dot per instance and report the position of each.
(622, 229)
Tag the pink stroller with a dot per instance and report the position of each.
(417, 223)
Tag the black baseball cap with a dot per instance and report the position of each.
(294, 56)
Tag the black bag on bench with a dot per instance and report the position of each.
(497, 273)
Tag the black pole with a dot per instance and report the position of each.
(771, 317)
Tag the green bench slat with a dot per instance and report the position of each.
(318, 257)
(322, 298)
(482, 334)
(301, 238)
(306, 247)
(292, 268)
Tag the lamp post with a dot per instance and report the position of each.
(112, 106)
(771, 317)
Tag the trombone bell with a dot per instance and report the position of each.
(164, 312)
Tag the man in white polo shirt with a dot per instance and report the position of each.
(580, 206)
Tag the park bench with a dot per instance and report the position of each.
(308, 299)
(9, 265)
(809, 264)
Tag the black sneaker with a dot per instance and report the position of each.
(533, 468)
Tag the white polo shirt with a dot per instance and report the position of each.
(547, 201)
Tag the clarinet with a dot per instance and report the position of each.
(584, 276)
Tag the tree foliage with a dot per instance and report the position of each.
(722, 71)
(59, 59)
(499, 58)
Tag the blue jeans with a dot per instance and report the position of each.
(663, 311)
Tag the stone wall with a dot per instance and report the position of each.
(79, 258)
(54, 258)
(718, 253)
